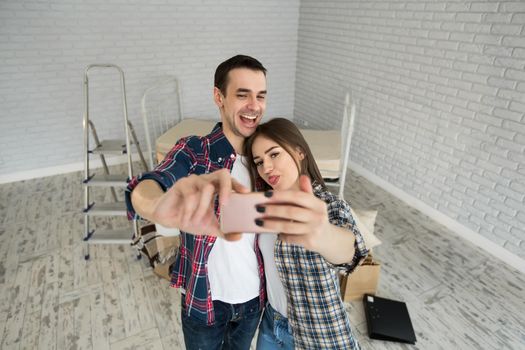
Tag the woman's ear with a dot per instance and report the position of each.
(300, 153)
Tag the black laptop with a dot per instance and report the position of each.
(388, 320)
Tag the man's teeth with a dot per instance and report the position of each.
(252, 117)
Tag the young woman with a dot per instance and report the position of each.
(316, 236)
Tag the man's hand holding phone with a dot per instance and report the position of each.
(189, 204)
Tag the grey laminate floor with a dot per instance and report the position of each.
(459, 297)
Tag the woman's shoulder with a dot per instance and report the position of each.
(328, 197)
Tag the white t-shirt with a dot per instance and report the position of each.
(274, 286)
(232, 266)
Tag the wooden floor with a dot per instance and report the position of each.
(458, 296)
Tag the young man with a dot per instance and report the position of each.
(221, 278)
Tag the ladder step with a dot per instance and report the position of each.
(107, 181)
(330, 174)
(116, 236)
(107, 209)
(110, 147)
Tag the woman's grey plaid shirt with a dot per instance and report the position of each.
(315, 309)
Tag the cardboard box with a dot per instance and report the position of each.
(363, 280)
(159, 250)
(163, 269)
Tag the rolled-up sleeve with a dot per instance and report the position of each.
(177, 164)
(339, 214)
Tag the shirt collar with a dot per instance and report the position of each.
(220, 148)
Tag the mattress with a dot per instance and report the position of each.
(324, 144)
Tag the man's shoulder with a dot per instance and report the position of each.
(211, 138)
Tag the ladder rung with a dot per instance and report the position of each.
(110, 147)
(116, 236)
(107, 209)
(107, 181)
(330, 174)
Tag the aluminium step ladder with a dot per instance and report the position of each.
(123, 235)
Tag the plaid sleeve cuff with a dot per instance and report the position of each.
(177, 164)
(132, 214)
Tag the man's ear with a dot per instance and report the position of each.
(217, 97)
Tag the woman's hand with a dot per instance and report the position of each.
(302, 219)
(299, 216)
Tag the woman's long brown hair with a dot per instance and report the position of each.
(286, 134)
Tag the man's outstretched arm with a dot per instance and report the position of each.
(189, 204)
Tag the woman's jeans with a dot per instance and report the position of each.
(274, 331)
(234, 328)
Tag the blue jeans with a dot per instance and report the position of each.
(234, 328)
(274, 331)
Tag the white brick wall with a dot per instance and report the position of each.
(46, 45)
(441, 89)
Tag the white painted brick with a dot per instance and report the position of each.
(456, 101)
(507, 192)
(484, 7)
(477, 28)
(519, 158)
(469, 17)
(516, 6)
(475, 78)
(503, 162)
(498, 50)
(465, 113)
(481, 58)
(517, 18)
(509, 62)
(499, 221)
(510, 241)
(518, 186)
(504, 208)
(518, 234)
(515, 127)
(515, 74)
(491, 70)
(521, 216)
(479, 208)
(496, 102)
(463, 66)
(507, 114)
(517, 107)
(511, 94)
(518, 52)
(445, 73)
(487, 39)
(501, 83)
(506, 29)
(479, 107)
(514, 41)
(513, 146)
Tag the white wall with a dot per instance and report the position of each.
(441, 89)
(46, 45)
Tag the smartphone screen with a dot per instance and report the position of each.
(239, 214)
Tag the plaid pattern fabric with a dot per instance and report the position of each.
(315, 309)
(195, 155)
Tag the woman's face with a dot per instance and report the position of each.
(275, 165)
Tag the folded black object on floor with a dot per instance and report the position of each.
(388, 320)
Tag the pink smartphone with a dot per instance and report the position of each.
(239, 214)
